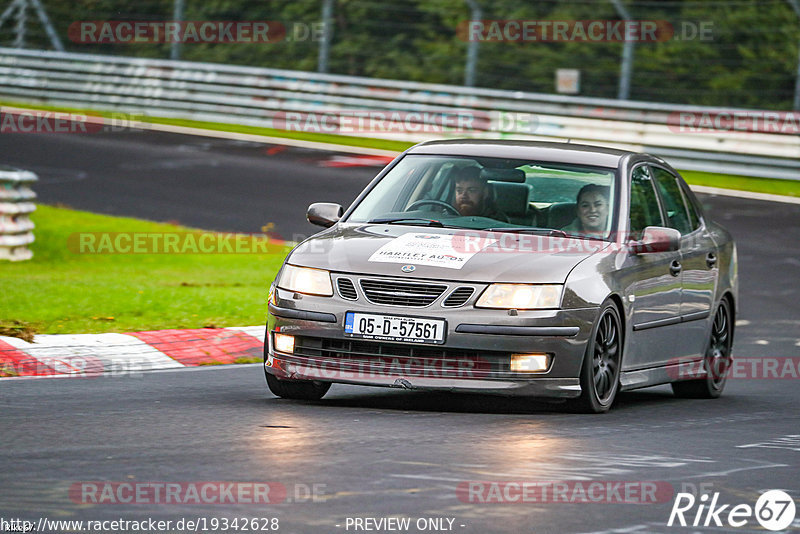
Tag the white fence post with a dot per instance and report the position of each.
(16, 227)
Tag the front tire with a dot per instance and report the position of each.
(297, 389)
(601, 364)
(716, 362)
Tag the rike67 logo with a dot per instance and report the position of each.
(774, 510)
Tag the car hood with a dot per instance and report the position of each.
(444, 254)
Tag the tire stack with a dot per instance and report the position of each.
(16, 227)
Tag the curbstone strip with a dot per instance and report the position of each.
(203, 346)
(112, 354)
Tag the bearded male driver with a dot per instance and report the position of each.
(592, 212)
(473, 196)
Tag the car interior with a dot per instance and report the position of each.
(527, 194)
(514, 193)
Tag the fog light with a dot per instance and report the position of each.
(284, 343)
(529, 363)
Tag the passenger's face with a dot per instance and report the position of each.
(470, 195)
(593, 211)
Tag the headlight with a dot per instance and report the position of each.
(306, 280)
(520, 296)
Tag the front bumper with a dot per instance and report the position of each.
(474, 358)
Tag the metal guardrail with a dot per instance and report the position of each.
(262, 97)
(16, 228)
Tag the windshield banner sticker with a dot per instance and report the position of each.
(436, 250)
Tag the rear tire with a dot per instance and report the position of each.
(297, 389)
(601, 364)
(716, 362)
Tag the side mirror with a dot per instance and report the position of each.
(657, 239)
(324, 214)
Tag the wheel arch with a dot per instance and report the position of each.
(618, 302)
(728, 296)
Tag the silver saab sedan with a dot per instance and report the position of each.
(512, 268)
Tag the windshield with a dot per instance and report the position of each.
(492, 193)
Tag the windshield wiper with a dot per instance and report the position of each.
(525, 230)
(411, 221)
(550, 232)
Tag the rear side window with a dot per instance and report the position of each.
(677, 214)
(644, 204)
(691, 208)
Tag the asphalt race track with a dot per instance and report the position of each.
(214, 184)
(378, 453)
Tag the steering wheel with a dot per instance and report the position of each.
(433, 202)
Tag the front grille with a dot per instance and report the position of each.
(388, 358)
(346, 348)
(346, 289)
(401, 293)
(458, 297)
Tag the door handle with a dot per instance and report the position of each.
(675, 268)
(711, 260)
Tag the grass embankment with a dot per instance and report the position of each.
(66, 289)
(724, 181)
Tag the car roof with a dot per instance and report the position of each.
(533, 150)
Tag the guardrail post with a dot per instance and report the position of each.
(796, 105)
(796, 7)
(16, 228)
(626, 65)
(22, 21)
(48, 26)
(177, 16)
(472, 45)
(21, 6)
(325, 42)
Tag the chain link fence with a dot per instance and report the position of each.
(728, 53)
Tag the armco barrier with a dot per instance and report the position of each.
(15, 207)
(261, 97)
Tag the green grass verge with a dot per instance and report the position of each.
(364, 142)
(724, 181)
(347, 140)
(789, 188)
(62, 290)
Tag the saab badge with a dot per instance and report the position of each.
(408, 268)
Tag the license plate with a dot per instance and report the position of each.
(394, 328)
